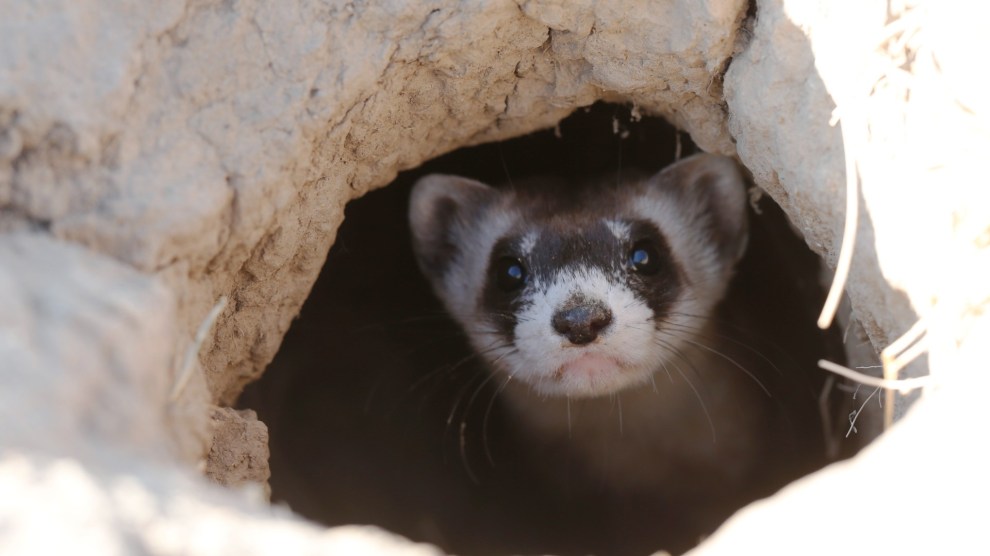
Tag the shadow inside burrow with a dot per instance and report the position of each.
(378, 413)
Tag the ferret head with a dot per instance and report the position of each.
(583, 291)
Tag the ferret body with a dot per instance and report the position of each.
(597, 308)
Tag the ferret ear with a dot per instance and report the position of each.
(443, 209)
(709, 191)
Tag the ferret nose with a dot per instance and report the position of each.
(582, 322)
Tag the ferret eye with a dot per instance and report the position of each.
(643, 258)
(510, 274)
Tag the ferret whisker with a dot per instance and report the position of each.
(477, 382)
(697, 394)
(474, 396)
(449, 368)
(728, 324)
(458, 398)
(636, 327)
(470, 404)
(676, 352)
(485, 419)
(744, 345)
(462, 392)
(707, 319)
(730, 360)
(463, 452)
(618, 398)
(502, 315)
(705, 330)
(462, 436)
(442, 369)
(670, 377)
(484, 331)
(568, 417)
(510, 350)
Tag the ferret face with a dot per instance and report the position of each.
(583, 291)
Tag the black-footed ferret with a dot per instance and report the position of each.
(597, 305)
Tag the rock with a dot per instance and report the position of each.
(156, 158)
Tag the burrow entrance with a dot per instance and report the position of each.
(378, 413)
